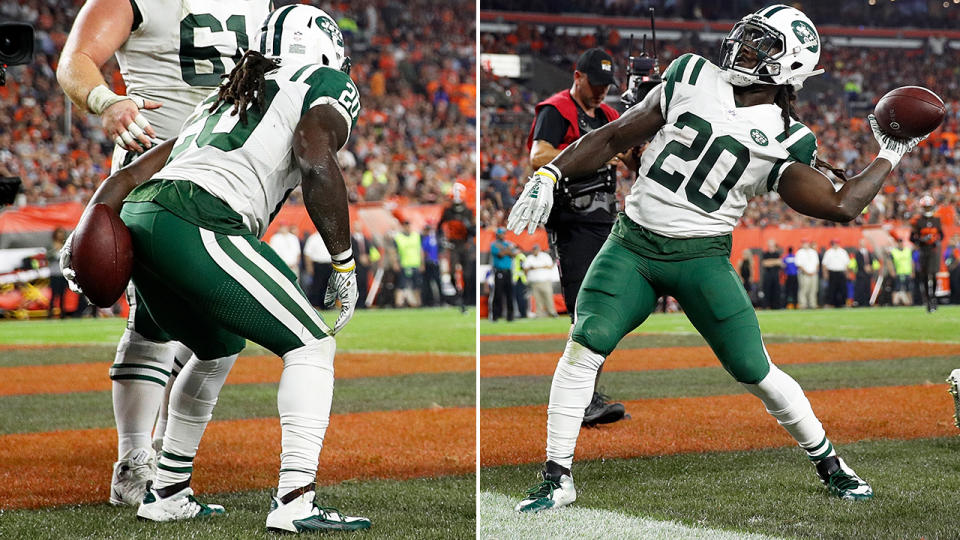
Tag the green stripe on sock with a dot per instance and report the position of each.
(175, 469)
(140, 366)
(823, 454)
(137, 378)
(176, 457)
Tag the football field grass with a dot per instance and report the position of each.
(700, 458)
(400, 448)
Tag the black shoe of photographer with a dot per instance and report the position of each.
(601, 411)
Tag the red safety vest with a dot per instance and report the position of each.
(564, 103)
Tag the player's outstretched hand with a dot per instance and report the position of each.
(535, 202)
(343, 287)
(65, 266)
(123, 123)
(892, 148)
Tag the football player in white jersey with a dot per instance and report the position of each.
(172, 54)
(207, 279)
(720, 135)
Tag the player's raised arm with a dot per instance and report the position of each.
(585, 155)
(102, 27)
(809, 192)
(318, 136)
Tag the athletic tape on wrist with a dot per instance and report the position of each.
(550, 171)
(890, 155)
(100, 98)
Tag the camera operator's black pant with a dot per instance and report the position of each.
(771, 288)
(502, 294)
(576, 245)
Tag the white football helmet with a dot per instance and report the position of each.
(783, 42)
(299, 35)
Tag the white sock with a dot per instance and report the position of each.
(784, 399)
(180, 359)
(570, 393)
(139, 373)
(192, 398)
(303, 400)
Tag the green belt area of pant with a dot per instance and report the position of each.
(634, 237)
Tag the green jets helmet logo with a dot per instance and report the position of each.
(330, 27)
(807, 35)
(759, 137)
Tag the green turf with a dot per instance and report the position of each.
(429, 508)
(86, 410)
(631, 385)
(900, 323)
(771, 491)
(443, 330)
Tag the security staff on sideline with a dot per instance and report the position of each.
(502, 252)
(585, 207)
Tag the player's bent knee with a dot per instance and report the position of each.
(578, 363)
(314, 353)
(139, 358)
(596, 333)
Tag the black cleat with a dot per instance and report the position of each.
(601, 411)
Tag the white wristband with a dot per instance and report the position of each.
(101, 97)
(890, 155)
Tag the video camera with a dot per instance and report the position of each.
(16, 46)
(643, 72)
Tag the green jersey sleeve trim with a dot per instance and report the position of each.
(333, 87)
(788, 133)
(805, 149)
(773, 179)
(673, 74)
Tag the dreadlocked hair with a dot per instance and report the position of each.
(245, 84)
(784, 99)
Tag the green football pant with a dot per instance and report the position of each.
(621, 288)
(213, 291)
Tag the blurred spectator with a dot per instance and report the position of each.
(409, 266)
(502, 253)
(58, 283)
(318, 265)
(770, 274)
(836, 260)
(903, 271)
(361, 253)
(791, 285)
(432, 285)
(520, 284)
(951, 257)
(746, 272)
(866, 265)
(287, 245)
(539, 268)
(808, 266)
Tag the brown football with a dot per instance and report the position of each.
(909, 111)
(102, 255)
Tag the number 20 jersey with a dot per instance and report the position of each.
(251, 166)
(711, 156)
(178, 49)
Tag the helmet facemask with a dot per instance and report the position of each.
(752, 42)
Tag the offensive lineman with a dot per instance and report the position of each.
(721, 136)
(171, 55)
(206, 278)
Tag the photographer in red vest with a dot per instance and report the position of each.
(585, 207)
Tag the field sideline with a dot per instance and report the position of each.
(700, 458)
(402, 429)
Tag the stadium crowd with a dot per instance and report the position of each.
(870, 13)
(413, 64)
